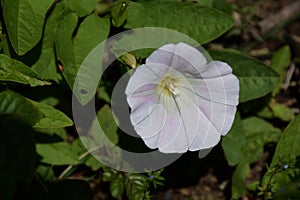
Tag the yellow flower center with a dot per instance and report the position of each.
(168, 86)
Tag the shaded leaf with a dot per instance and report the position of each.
(201, 23)
(16, 104)
(15, 71)
(280, 62)
(256, 79)
(17, 154)
(119, 12)
(238, 187)
(282, 112)
(24, 22)
(53, 118)
(234, 142)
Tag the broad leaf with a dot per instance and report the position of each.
(17, 154)
(81, 8)
(201, 23)
(46, 65)
(91, 32)
(59, 153)
(15, 71)
(16, 104)
(234, 142)
(24, 22)
(258, 133)
(53, 118)
(256, 79)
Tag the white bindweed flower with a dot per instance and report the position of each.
(181, 102)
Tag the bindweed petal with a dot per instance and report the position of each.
(179, 102)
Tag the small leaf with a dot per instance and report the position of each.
(201, 23)
(24, 21)
(59, 153)
(15, 71)
(256, 79)
(16, 104)
(282, 112)
(280, 62)
(117, 187)
(234, 142)
(119, 12)
(70, 190)
(53, 118)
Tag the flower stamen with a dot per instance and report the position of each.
(168, 86)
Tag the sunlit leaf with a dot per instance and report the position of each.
(201, 23)
(15, 71)
(24, 21)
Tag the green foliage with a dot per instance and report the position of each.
(17, 105)
(44, 43)
(285, 163)
(256, 79)
(59, 153)
(15, 71)
(199, 22)
(234, 142)
(280, 62)
(25, 27)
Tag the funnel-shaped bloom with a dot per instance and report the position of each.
(181, 102)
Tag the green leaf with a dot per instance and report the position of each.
(45, 172)
(286, 152)
(59, 153)
(280, 62)
(201, 23)
(258, 133)
(24, 22)
(91, 32)
(15, 71)
(282, 112)
(256, 79)
(117, 187)
(17, 153)
(70, 190)
(107, 123)
(119, 12)
(81, 8)
(46, 66)
(53, 118)
(234, 142)
(238, 187)
(16, 104)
